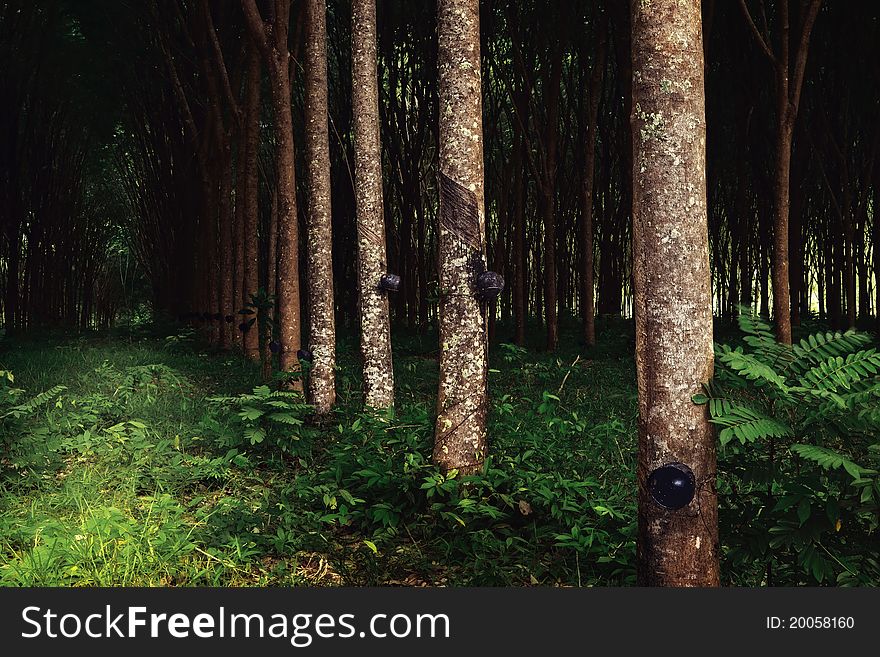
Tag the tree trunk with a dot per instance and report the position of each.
(781, 192)
(322, 377)
(275, 52)
(372, 259)
(520, 291)
(588, 302)
(251, 200)
(673, 306)
(875, 246)
(548, 199)
(460, 440)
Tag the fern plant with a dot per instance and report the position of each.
(14, 412)
(271, 417)
(799, 428)
(11, 408)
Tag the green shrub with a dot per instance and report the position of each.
(797, 465)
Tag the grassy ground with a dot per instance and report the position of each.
(132, 476)
(160, 463)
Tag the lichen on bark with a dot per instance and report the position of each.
(322, 329)
(460, 438)
(372, 261)
(672, 296)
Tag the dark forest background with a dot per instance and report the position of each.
(157, 301)
(100, 186)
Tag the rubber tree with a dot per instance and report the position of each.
(322, 329)
(789, 78)
(460, 439)
(372, 258)
(271, 39)
(673, 306)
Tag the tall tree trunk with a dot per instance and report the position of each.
(251, 200)
(875, 246)
(275, 52)
(548, 199)
(520, 290)
(422, 266)
(227, 304)
(322, 378)
(594, 91)
(460, 440)
(673, 305)
(789, 81)
(779, 255)
(372, 258)
(238, 286)
(266, 321)
(848, 278)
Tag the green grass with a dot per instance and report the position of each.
(162, 463)
(132, 476)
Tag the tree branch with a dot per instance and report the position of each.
(219, 61)
(800, 62)
(255, 26)
(754, 28)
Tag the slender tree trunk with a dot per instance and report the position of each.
(372, 258)
(548, 200)
(275, 52)
(226, 244)
(238, 286)
(673, 306)
(875, 246)
(288, 230)
(266, 322)
(789, 80)
(520, 291)
(460, 441)
(10, 301)
(796, 246)
(594, 91)
(861, 261)
(781, 192)
(322, 378)
(251, 201)
(849, 279)
(422, 269)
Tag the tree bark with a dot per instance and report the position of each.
(322, 328)
(460, 440)
(275, 52)
(251, 200)
(789, 81)
(875, 246)
(594, 91)
(673, 306)
(520, 290)
(372, 258)
(548, 198)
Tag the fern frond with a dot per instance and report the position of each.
(822, 346)
(750, 366)
(838, 372)
(745, 423)
(31, 405)
(760, 337)
(829, 459)
(285, 418)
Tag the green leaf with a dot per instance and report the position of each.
(803, 510)
(250, 413)
(829, 459)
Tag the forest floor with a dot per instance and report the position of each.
(162, 463)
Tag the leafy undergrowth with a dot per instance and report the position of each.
(159, 463)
